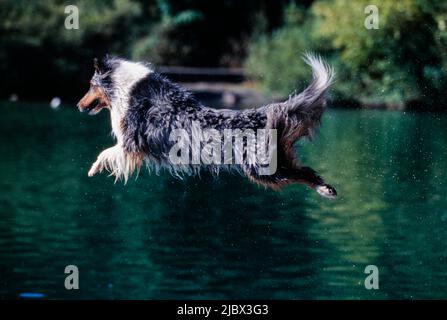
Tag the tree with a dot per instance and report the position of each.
(402, 61)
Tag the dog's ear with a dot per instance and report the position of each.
(100, 65)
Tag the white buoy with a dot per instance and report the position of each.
(55, 102)
(13, 97)
(229, 98)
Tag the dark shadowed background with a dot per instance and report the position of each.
(400, 64)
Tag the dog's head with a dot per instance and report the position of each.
(112, 84)
(98, 96)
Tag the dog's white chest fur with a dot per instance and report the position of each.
(116, 119)
(115, 159)
(125, 77)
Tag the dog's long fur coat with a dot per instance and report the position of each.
(145, 108)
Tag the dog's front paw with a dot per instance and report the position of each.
(96, 167)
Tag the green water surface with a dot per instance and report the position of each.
(159, 237)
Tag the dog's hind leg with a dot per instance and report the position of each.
(289, 175)
(309, 177)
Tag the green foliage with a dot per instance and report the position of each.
(39, 22)
(40, 55)
(159, 45)
(276, 60)
(402, 61)
(40, 58)
(202, 33)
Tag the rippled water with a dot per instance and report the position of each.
(158, 237)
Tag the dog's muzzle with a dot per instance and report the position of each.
(95, 103)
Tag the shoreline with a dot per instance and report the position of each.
(243, 95)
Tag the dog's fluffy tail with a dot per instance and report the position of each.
(302, 112)
(312, 100)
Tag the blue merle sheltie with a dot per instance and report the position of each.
(145, 108)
